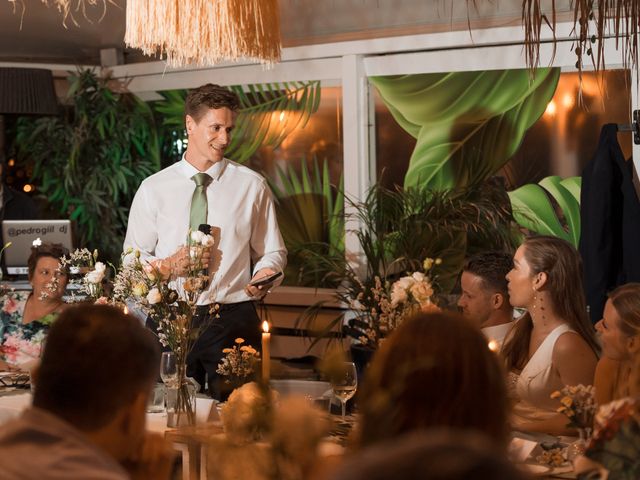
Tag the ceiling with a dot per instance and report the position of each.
(36, 34)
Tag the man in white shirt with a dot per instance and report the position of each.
(239, 209)
(485, 298)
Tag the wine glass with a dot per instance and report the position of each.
(345, 384)
(169, 369)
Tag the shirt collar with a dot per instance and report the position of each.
(215, 171)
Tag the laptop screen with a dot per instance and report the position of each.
(22, 233)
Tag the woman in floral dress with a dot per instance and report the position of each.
(25, 317)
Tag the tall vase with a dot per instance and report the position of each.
(181, 405)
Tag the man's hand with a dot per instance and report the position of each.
(180, 262)
(262, 290)
(154, 459)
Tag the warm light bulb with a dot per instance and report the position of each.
(27, 188)
(493, 345)
(551, 109)
(567, 100)
(265, 326)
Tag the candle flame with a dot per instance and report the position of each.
(265, 326)
(125, 310)
(493, 346)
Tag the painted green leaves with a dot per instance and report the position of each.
(551, 207)
(467, 124)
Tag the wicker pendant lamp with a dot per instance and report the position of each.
(205, 32)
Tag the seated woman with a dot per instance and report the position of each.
(24, 319)
(614, 449)
(619, 332)
(553, 344)
(435, 370)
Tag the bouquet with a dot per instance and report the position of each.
(239, 361)
(578, 404)
(171, 301)
(86, 273)
(381, 308)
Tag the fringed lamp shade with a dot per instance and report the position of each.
(205, 32)
(27, 91)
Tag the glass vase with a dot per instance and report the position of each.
(579, 447)
(181, 405)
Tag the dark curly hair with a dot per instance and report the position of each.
(492, 268)
(209, 96)
(53, 250)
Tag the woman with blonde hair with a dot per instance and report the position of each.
(553, 344)
(619, 332)
(435, 370)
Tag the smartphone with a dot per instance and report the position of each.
(266, 280)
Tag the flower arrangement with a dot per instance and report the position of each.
(171, 301)
(85, 271)
(381, 308)
(238, 363)
(578, 404)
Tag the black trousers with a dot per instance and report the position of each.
(236, 320)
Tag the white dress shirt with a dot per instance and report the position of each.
(242, 218)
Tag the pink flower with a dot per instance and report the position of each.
(11, 305)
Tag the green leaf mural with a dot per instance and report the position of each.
(310, 213)
(269, 112)
(467, 124)
(533, 208)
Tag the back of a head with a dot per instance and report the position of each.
(432, 455)
(492, 268)
(435, 370)
(626, 301)
(96, 360)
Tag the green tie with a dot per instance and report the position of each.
(198, 214)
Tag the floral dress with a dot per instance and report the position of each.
(616, 441)
(19, 342)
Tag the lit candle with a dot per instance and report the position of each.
(494, 346)
(266, 356)
(125, 310)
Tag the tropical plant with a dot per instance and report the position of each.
(467, 124)
(269, 112)
(89, 162)
(400, 228)
(310, 215)
(551, 207)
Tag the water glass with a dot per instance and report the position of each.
(169, 369)
(156, 399)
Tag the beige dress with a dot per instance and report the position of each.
(532, 388)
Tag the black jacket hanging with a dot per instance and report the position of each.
(610, 222)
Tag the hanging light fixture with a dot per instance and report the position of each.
(205, 32)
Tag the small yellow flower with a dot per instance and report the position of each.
(567, 401)
(438, 261)
(239, 340)
(227, 350)
(428, 263)
(556, 394)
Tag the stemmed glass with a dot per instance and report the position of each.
(345, 384)
(169, 369)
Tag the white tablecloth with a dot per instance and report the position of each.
(12, 404)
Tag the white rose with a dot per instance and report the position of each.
(154, 296)
(207, 241)
(197, 236)
(418, 276)
(405, 283)
(94, 276)
(398, 294)
(100, 267)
